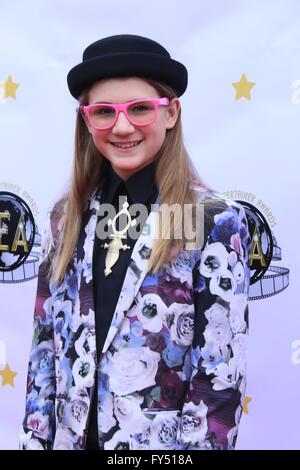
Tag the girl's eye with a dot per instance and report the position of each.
(103, 111)
(139, 108)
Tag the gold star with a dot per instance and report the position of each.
(9, 88)
(245, 404)
(7, 376)
(243, 88)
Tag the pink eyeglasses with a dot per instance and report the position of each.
(140, 113)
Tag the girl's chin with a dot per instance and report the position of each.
(126, 162)
(126, 170)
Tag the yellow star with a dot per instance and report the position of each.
(7, 376)
(243, 88)
(245, 404)
(9, 88)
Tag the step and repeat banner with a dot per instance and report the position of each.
(241, 123)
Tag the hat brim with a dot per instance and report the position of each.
(150, 66)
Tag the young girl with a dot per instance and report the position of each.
(141, 315)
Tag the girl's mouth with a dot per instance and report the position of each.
(126, 146)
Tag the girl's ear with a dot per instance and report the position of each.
(172, 113)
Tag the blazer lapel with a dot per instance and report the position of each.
(85, 308)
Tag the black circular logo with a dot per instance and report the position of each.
(17, 231)
(261, 241)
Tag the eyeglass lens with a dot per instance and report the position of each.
(139, 113)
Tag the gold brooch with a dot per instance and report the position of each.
(116, 244)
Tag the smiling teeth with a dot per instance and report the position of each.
(127, 146)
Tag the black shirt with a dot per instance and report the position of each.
(139, 188)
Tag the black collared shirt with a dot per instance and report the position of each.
(139, 188)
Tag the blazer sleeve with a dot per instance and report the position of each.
(213, 403)
(39, 422)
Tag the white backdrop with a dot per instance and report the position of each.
(241, 144)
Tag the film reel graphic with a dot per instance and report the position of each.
(266, 280)
(19, 237)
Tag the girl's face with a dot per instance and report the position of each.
(121, 90)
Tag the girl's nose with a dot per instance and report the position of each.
(122, 124)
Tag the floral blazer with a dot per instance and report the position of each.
(172, 372)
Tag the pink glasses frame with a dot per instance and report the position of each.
(123, 107)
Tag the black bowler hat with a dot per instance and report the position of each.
(126, 55)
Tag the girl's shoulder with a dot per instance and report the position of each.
(213, 199)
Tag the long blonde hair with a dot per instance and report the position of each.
(174, 174)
